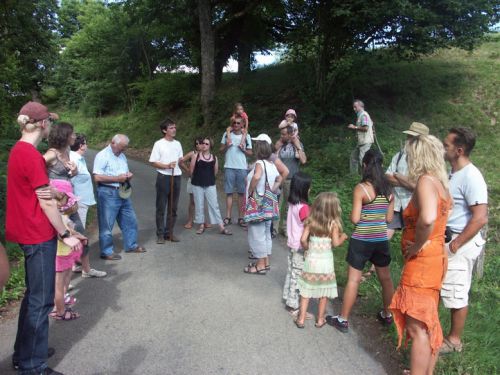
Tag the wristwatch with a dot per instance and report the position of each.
(66, 234)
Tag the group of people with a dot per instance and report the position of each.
(441, 216)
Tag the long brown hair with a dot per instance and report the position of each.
(325, 213)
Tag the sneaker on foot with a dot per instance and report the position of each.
(335, 322)
(93, 273)
(77, 268)
(385, 320)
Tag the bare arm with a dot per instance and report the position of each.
(298, 147)
(337, 237)
(4, 266)
(255, 179)
(478, 220)
(357, 203)
(108, 179)
(216, 168)
(304, 239)
(282, 169)
(404, 181)
(192, 165)
(427, 202)
(390, 211)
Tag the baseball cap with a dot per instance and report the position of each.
(37, 112)
(416, 129)
(291, 112)
(263, 137)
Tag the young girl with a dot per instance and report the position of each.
(322, 232)
(290, 120)
(372, 209)
(298, 211)
(239, 110)
(65, 257)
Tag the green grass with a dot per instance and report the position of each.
(447, 89)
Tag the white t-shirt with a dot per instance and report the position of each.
(166, 152)
(272, 174)
(468, 188)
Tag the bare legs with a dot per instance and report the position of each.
(229, 205)
(62, 281)
(304, 304)
(458, 317)
(351, 289)
(422, 360)
(189, 223)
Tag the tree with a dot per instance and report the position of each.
(207, 59)
(329, 30)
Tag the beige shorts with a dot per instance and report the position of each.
(189, 187)
(458, 279)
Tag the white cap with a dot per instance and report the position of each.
(263, 137)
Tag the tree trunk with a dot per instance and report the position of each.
(207, 59)
(244, 59)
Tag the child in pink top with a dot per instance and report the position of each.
(298, 211)
(239, 110)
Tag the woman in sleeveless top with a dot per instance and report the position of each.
(204, 167)
(372, 209)
(415, 302)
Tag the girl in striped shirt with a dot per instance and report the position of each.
(372, 209)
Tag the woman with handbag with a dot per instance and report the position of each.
(262, 204)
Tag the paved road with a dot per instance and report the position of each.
(187, 308)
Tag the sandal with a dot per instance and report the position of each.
(257, 271)
(242, 223)
(208, 225)
(201, 229)
(317, 325)
(69, 300)
(188, 225)
(138, 249)
(66, 316)
(449, 347)
(227, 221)
(299, 325)
(226, 232)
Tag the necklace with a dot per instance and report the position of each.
(204, 158)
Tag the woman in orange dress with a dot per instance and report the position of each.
(415, 302)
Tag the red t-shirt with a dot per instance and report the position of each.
(26, 222)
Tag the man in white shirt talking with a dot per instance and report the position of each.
(464, 242)
(165, 157)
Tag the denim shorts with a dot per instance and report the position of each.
(397, 221)
(234, 179)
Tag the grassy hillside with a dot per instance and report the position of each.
(447, 89)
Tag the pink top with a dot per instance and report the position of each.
(297, 213)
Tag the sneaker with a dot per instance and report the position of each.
(49, 371)
(93, 273)
(385, 320)
(71, 287)
(335, 322)
(77, 268)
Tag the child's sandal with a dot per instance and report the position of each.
(67, 315)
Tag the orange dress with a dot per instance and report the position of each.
(418, 292)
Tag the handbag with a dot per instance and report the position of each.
(262, 208)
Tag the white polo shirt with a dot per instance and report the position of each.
(166, 152)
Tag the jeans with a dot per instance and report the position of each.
(112, 208)
(163, 199)
(32, 339)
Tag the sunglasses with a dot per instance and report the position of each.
(206, 143)
(236, 123)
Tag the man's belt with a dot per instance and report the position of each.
(108, 186)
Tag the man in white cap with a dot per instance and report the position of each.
(364, 131)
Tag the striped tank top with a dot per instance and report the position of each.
(372, 226)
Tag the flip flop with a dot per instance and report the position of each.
(138, 249)
(320, 325)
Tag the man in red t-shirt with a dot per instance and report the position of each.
(34, 222)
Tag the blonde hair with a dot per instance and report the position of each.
(325, 213)
(26, 124)
(426, 156)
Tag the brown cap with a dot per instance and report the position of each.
(416, 129)
(37, 112)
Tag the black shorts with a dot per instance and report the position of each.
(362, 251)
